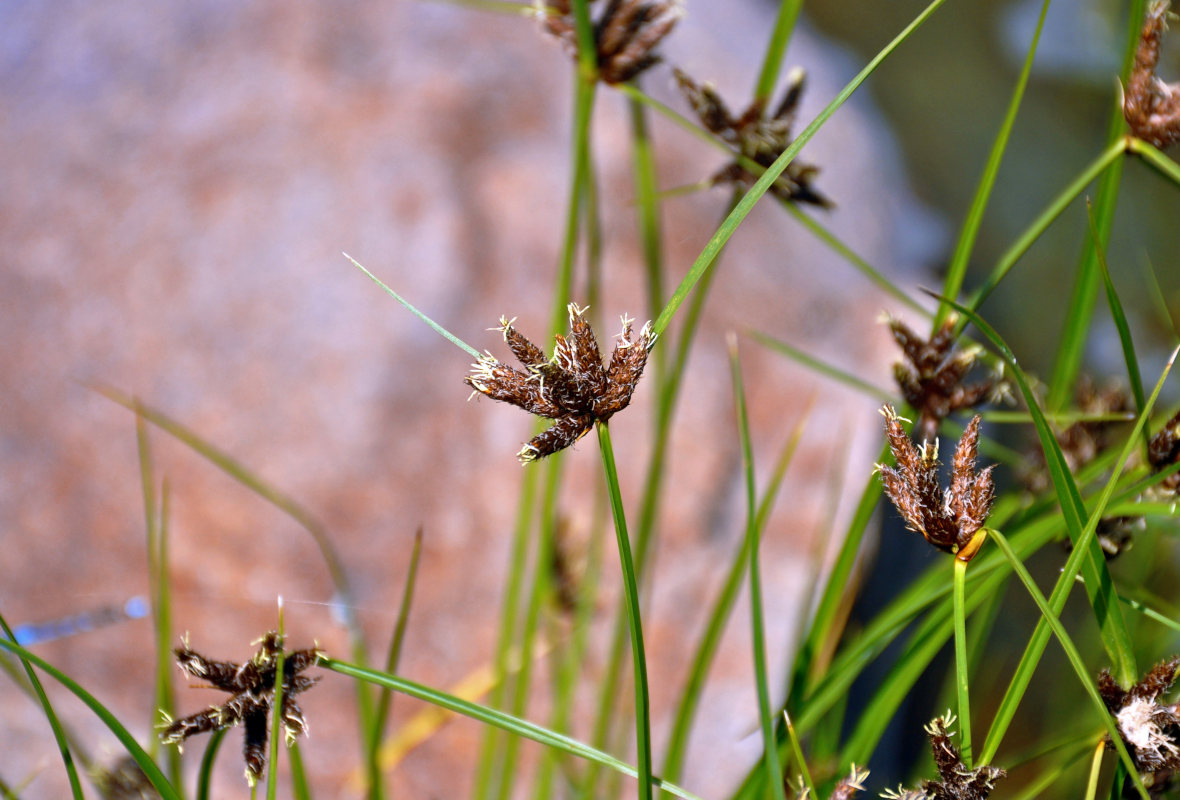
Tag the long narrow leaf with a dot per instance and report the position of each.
(966, 243)
(1099, 586)
(507, 722)
(766, 716)
(59, 735)
(1075, 660)
(145, 762)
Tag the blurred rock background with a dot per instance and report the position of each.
(179, 180)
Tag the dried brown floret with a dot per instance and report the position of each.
(845, 788)
(1164, 451)
(951, 520)
(626, 33)
(757, 137)
(573, 388)
(1085, 439)
(251, 685)
(1150, 729)
(957, 781)
(1152, 107)
(124, 780)
(931, 377)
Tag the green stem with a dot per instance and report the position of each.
(961, 664)
(59, 734)
(276, 714)
(631, 592)
(770, 757)
(392, 657)
(1071, 653)
(958, 266)
(784, 25)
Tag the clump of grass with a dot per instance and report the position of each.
(1088, 479)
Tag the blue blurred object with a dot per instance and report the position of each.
(36, 632)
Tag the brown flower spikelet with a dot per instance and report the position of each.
(757, 137)
(931, 376)
(1152, 107)
(950, 520)
(573, 388)
(252, 688)
(625, 34)
(1164, 450)
(1150, 728)
(1082, 441)
(957, 781)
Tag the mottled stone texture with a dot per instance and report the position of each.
(179, 180)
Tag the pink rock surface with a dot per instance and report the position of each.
(179, 181)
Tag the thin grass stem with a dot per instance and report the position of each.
(635, 626)
(1046, 218)
(1071, 653)
(208, 758)
(957, 269)
(59, 735)
(1095, 770)
(776, 48)
(392, 657)
(766, 716)
(277, 733)
(962, 666)
(150, 770)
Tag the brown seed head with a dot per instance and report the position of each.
(931, 378)
(251, 685)
(756, 136)
(626, 33)
(1164, 451)
(1149, 727)
(952, 520)
(574, 388)
(1152, 107)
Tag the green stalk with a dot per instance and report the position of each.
(647, 211)
(538, 593)
(668, 393)
(205, 772)
(961, 664)
(509, 610)
(150, 770)
(776, 49)
(754, 168)
(1095, 770)
(770, 758)
(1049, 616)
(392, 657)
(1164, 165)
(1085, 292)
(631, 593)
(710, 640)
(165, 694)
(966, 244)
(300, 790)
(490, 716)
(1073, 565)
(276, 713)
(59, 735)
